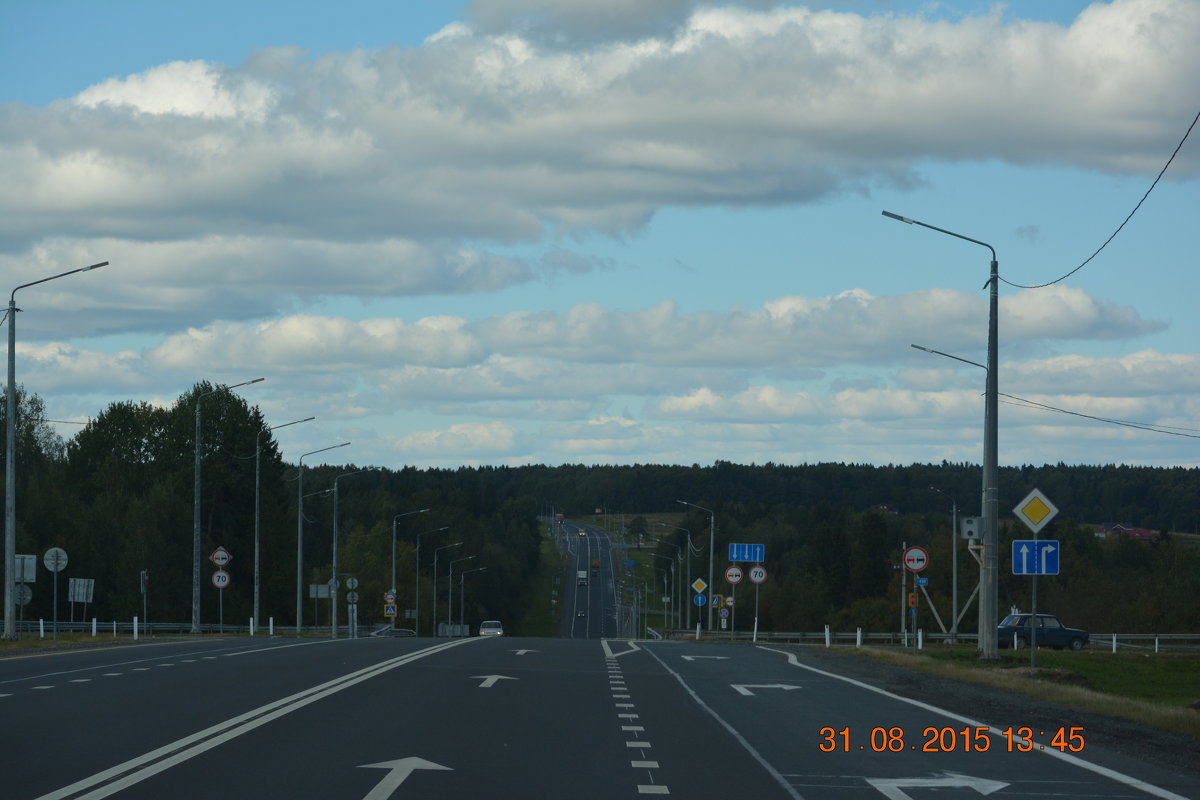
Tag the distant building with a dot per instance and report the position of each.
(1124, 529)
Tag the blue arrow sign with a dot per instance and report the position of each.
(1035, 556)
(755, 553)
(700, 600)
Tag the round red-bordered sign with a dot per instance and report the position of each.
(916, 559)
(734, 574)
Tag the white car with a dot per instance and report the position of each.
(491, 627)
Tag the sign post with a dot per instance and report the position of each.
(1035, 511)
(55, 560)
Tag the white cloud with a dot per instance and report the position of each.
(500, 137)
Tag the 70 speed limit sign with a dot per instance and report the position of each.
(220, 579)
(758, 573)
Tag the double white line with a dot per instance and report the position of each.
(122, 776)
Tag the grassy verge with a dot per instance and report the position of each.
(1160, 690)
(542, 619)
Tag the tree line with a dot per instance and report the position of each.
(118, 497)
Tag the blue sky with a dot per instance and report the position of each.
(539, 231)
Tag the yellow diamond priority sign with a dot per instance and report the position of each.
(699, 586)
(1035, 511)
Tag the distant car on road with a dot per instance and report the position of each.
(1018, 629)
(491, 627)
(581, 614)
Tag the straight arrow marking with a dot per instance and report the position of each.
(744, 689)
(400, 769)
(891, 787)
(490, 680)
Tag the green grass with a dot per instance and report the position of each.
(1161, 690)
(542, 618)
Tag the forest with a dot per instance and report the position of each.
(118, 497)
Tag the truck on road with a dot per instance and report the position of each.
(582, 578)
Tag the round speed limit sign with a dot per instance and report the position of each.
(758, 573)
(220, 579)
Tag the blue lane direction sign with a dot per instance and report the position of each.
(700, 600)
(1035, 556)
(755, 553)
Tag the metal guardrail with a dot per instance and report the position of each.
(1156, 642)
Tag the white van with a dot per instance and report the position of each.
(491, 627)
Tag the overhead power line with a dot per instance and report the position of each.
(1122, 225)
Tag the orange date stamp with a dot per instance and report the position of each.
(947, 739)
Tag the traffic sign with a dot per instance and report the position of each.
(699, 600)
(922, 581)
(389, 609)
(1035, 556)
(734, 574)
(912, 599)
(26, 569)
(699, 585)
(351, 597)
(220, 579)
(220, 557)
(352, 583)
(389, 597)
(747, 552)
(916, 559)
(24, 594)
(729, 602)
(717, 599)
(724, 613)
(55, 559)
(1035, 511)
(758, 573)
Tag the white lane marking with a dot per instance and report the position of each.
(399, 770)
(644, 789)
(149, 764)
(633, 728)
(625, 705)
(644, 764)
(5, 695)
(112, 674)
(81, 680)
(744, 688)
(628, 716)
(774, 773)
(141, 669)
(490, 680)
(642, 745)
(1067, 757)
(633, 648)
(38, 688)
(892, 788)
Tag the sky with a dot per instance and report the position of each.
(507, 232)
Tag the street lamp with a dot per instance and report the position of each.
(257, 501)
(680, 585)
(398, 516)
(10, 458)
(671, 593)
(196, 505)
(687, 575)
(989, 579)
(462, 575)
(417, 580)
(434, 592)
(712, 535)
(300, 533)
(450, 590)
(333, 584)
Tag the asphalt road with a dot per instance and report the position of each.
(510, 718)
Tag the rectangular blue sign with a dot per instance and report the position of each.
(1035, 556)
(755, 553)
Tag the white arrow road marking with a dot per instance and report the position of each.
(890, 787)
(745, 688)
(716, 658)
(523, 652)
(401, 768)
(490, 680)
